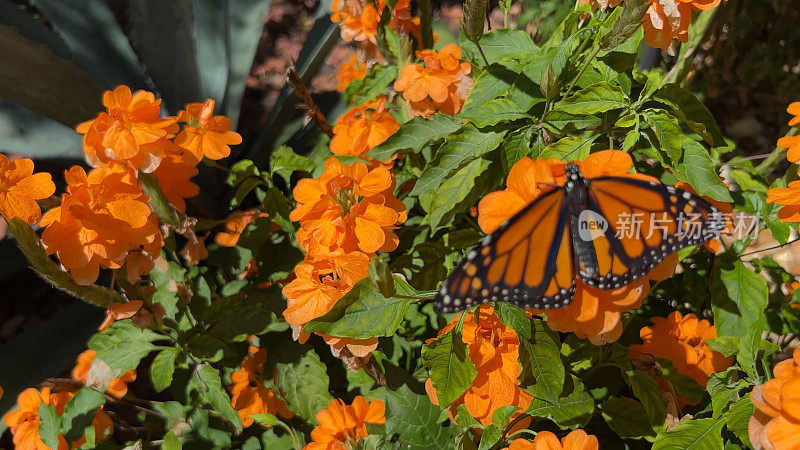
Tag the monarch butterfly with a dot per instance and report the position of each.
(579, 228)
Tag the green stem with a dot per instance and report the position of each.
(585, 66)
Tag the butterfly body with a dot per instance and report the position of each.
(573, 233)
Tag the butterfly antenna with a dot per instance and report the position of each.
(770, 248)
(539, 183)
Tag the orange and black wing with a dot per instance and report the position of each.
(647, 221)
(528, 261)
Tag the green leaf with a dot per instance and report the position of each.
(458, 150)
(597, 98)
(518, 145)
(305, 383)
(453, 191)
(573, 410)
(284, 161)
(747, 356)
(493, 112)
(570, 147)
(697, 434)
(724, 387)
(738, 418)
(208, 348)
(560, 122)
(627, 417)
(79, 413)
(697, 169)
(502, 415)
(689, 108)
(668, 132)
(171, 442)
(727, 345)
(544, 359)
(162, 368)
(206, 381)
(515, 318)
(494, 81)
(746, 299)
(646, 390)
(378, 78)
(158, 200)
(451, 370)
(50, 427)
(123, 345)
(364, 313)
(236, 324)
(266, 419)
(499, 45)
(415, 134)
(416, 421)
(629, 21)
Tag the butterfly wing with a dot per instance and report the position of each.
(647, 221)
(528, 261)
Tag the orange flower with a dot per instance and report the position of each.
(20, 188)
(237, 221)
(351, 70)
(205, 135)
(789, 199)
(790, 288)
(494, 349)
(124, 132)
(545, 440)
(24, 422)
(442, 84)
(319, 284)
(362, 128)
(195, 249)
(358, 20)
(117, 387)
(249, 395)
(174, 175)
(594, 313)
(670, 19)
(341, 425)
(349, 207)
(681, 339)
(792, 142)
(775, 424)
(102, 217)
(120, 311)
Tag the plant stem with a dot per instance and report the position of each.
(583, 69)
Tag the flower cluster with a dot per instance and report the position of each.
(545, 440)
(249, 395)
(117, 387)
(775, 424)
(682, 340)
(359, 19)
(442, 84)
(104, 220)
(494, 349)
(594, 313)
(346, 215)
(24, 422)
(789, 197)
(20, 188)
(362, 128)
(342, 425)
